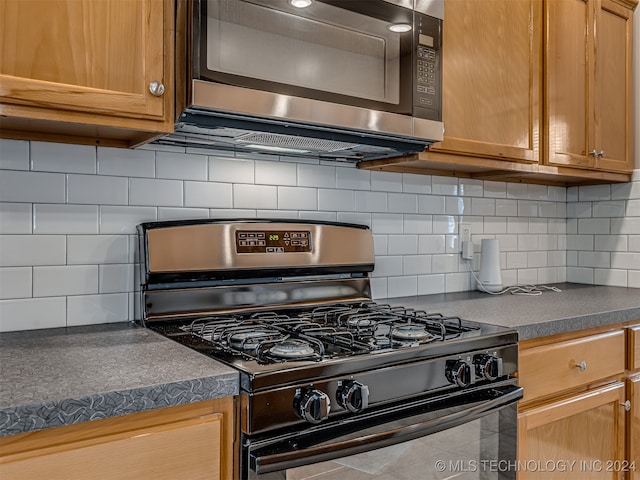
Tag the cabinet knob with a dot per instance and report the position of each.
(626, 405)
(594, 152)
(601, 153)
(156, 89)
(582, 366)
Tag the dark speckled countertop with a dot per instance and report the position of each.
(63, 376)
(70, 375)
(576, 307)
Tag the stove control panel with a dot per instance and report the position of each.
(312, 405)
(273, 241)
(352, 396)
(460, 372)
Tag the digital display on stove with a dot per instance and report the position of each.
(273, 241)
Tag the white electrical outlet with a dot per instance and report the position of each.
(465, 232)
(466, 247)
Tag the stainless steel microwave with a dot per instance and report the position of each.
(340, 79)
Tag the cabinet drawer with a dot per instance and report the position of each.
(564, 365)
(633, 360)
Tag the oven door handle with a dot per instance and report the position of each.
(291, 457)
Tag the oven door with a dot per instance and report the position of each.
(470, 435)
(340, 52)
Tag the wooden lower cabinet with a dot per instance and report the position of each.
(586, 428)
(191, 442)
(633, 420)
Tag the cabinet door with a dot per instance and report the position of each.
(588, 429)
(633, 424)
(82, 56)
(188, 449)
(589, 84)
(613, 83)
(491, 79)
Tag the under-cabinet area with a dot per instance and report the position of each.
(193, 442)
(579, 414)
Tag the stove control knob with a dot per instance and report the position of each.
(312, 405)
(460, 373)
(488, 366)
(353, 396)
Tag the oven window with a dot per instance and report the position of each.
(322, 47)
(483, 449)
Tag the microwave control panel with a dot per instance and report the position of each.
(427, 96)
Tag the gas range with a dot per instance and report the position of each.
(288, 304)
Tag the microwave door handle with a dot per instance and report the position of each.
(294, 458)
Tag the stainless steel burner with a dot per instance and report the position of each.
(250, 340)
(411, 332)
(292, 348)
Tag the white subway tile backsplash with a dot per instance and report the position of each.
(175, 213)
(412, 183)
(63, 280)
(15, 218)
(402, 244)
(231, 170)
(32, 187)
(495, 189)
(353, 178)
(336, 200)
(276, 173)
(97, 190)
(15, 282)
(416, 264)
(432, 204)
(302, 198)
(402, 202)
(255, 196)
(119, 220)
(417, 224)
(97, 249)
(156, 192)
(386, 182)
(402, 286)
(14, 154)
(125, 162)
(483, 206)
(208, 195)
(444, 185)
(457, 206)
(469, 187)
(65, 219)
(316, 176)
(115, 278)
(386, 223)
(63, 157)
(102, 308)
(611, 277)
(371, 201)
(546, 234)
(29, 250)
(181, 167)
(32, 313)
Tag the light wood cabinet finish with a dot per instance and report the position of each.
(491, 79)
(553, 368)
(633, 420)
(633, 346)
(589, 89)
(193, 441)
(588, 428)
(70, 68)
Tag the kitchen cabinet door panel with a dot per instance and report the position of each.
(491, 79)
(633, 420)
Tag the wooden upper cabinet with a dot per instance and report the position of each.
(492, 79)
(589, 79)
(86, 62)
